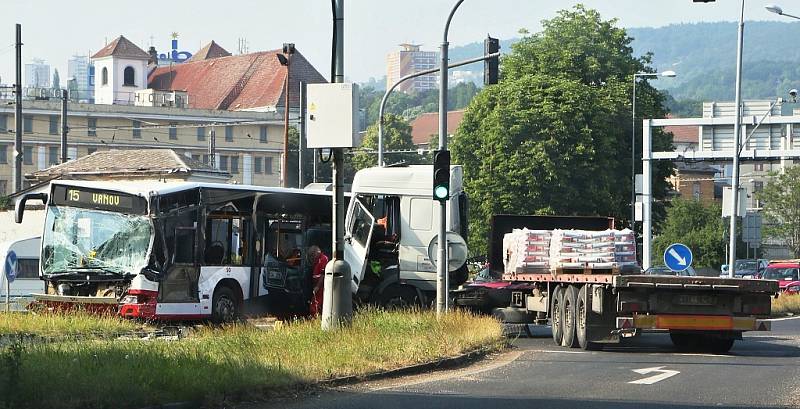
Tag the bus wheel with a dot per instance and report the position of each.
(569, 312)
(557, 300)
(224, 307)
(397, 297)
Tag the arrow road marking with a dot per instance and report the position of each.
(681, 260)
(663, 374)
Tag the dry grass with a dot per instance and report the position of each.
(786, 304)
(233, 363)
(63, 324)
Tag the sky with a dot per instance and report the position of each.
(54, 30)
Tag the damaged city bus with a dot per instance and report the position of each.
(180, 250)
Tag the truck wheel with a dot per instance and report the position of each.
(585, 322)
(686, 342)
(396, 297)
(720, 345)
(224, 306)
(569, 314)
(555, 314)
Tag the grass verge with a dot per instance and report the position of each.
(785, 304)
(233, 363)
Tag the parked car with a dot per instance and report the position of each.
(746, 268)
(787, 273)
(665, 271)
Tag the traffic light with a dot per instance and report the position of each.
(441, 175)
(491, 66)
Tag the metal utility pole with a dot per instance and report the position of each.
(18, 115)
(64, 128)
(337, 302)
(212, 149)
(286, 60)
(737, 138)
(442, 276)
(302, 141)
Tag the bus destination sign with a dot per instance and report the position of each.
(98, 199)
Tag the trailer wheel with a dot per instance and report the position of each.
(569, 313)
(585, 322)
(720, 345)
(557, 300)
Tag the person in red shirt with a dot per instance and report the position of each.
(318, 260)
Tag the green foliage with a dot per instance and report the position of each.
(554, 136)
(5, 202)
(698, 226)
(412, 104)
(396, 136)
(781, 198)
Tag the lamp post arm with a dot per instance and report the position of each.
(763, 117)
(408, 77)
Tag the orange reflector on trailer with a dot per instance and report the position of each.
(698, 322)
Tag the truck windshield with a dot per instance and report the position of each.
(776, 273)
(94, 241)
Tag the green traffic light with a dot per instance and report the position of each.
(440, 192)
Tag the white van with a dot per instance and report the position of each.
(27, 281)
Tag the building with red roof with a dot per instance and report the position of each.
(425, 126)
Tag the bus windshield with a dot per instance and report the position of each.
(94, 241)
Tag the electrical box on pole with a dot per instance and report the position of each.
(331, 115)
(441, 175)
(491, 66)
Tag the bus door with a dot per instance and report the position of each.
(284, 260)
(179, 234)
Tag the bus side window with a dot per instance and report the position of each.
(184, 245)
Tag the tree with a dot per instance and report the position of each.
(554, 136)
(396, 136)
(781, 204)
(699, 227)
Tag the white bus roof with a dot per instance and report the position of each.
(414, 180)
(148, 188)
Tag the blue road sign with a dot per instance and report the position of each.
(11, 266)
(678, 257)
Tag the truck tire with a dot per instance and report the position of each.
(398, 297)
(557, 300)
(512, 315)
(684, 342)
(568, 312)
(585, 322)
(720, 345)
(224, 306)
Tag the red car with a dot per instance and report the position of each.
(787, 273)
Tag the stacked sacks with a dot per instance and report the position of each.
(527, 250)
(570, 249)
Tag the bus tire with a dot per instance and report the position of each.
(557, 300)
(585, 322)
(224, 305)
(569, 313)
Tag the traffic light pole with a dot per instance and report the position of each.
(64, 128)
(18, 115)
(408, 77)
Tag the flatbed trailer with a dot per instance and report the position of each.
(593, 310)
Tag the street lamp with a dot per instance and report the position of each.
(286, 60)
(668, 74)
(772, 8)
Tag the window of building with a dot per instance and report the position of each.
(52, 155)
(228, 134)
(90, 150)
(27, 123)
(53, 124)
(268, 165)
(696, 190)
(3, 153)
(173, 131)
(27, 155)
(137, 129)
(91, 127)
(759, 167)
(3, 187)
(104, 76)
(257, 164)
(263, 134)
(235, 164)
(223, 162)
(201, 133)
(3, 123)
(129, 77)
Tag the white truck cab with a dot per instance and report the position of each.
(391, 220)
(27, 280)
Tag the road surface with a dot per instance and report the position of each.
(763, 371)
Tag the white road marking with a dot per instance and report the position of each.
(550, 351)
(783, 319)
(663, 374)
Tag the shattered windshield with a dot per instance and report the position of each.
(94, 241)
